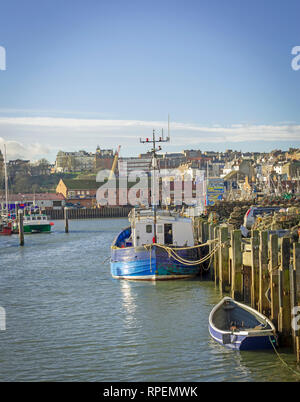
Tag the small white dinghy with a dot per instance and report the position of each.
(238, 326)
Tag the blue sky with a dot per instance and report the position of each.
(82, 73)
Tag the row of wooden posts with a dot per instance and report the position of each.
(21, 227)
(264, 273)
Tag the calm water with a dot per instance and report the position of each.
(68, 320)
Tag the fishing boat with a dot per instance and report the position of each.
(238, 326)
(159, 244)
(36, 223)
(5, 227)
(137, 253)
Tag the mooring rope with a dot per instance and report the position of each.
(171, 253)
(281, 359)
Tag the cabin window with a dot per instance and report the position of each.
(44, 218)
(39, 218)
(168, 233)
(33, 218)
(148, 228)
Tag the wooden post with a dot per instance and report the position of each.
(254, 268)
(216, 259)
(21, 227)
(294, 298)
(263, 305)
(205, 232)
(196, 229)
(200, 231)
(237, 262)
(66, 220)
(274, 278)
(224, 259)
(284, 318)
(211, 247)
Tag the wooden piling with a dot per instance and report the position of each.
(294, 270)
(66, 216)
(223, 260)
(237, 262)
(264, 304)
(284, 318)
(274, 278)
(211, 247)
(216, 259)
(21, 227)
(254, 268)
(200, 230)
(205, 232)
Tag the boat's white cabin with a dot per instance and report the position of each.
(35, 218)
(171, 228)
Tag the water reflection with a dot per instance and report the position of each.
(129, 305)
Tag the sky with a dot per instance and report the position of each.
(82, 73)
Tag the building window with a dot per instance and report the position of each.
(148, 228)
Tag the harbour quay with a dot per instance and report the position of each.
(259, 266)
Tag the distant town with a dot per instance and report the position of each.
(71, 180)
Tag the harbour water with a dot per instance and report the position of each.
(68, 320)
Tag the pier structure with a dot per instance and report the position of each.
(262, 271)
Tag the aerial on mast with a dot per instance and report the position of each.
(154, 151)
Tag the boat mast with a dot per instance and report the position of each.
(6, 181)
(154, 151)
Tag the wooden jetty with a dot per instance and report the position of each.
(263, 271)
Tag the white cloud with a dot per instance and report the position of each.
(36, 136)
(235, 132)
(17, 150)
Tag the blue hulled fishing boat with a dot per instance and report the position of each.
(136, 255)
(158, 244)
(238, 326)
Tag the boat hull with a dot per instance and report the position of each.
(37, 228)
(237, 326)
(244, 342)
(138, 263)
(5, 231)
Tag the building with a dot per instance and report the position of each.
(291, 169)
(70, 188)
(134, 164)
(41, 200)
(103, 159)
(80, 161)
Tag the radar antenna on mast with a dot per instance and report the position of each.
(154, 151)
